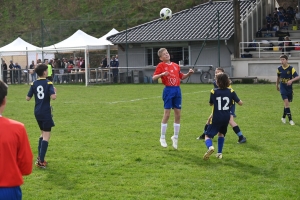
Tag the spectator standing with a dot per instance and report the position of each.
(11, 72)
(115, 70)
(4, 68)
(32, 72)
(17, 73)
(49, 77)
(16, 155)
(71, 61)
(287, 46)
(104, 62)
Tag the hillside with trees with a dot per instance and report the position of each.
(47, 22)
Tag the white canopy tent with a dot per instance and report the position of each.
(19, 47)
(80, 41)
(111, 32)
(108, 43)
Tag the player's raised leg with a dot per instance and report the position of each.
(237, 130)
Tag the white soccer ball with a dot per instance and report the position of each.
(165, 13)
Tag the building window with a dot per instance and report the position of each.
(176, 54)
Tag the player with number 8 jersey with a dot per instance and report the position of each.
(43, 91)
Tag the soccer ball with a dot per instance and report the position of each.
(165, 13)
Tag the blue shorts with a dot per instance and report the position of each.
(172, 97)
(10, 193)
(232, 110)
(46, 125)
(287, 96)
(213, 130)
(286, 92)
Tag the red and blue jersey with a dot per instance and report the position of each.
(222, 101)
(175, 75)
(15, 153)
(42, 89)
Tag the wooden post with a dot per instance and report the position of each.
(237, 30)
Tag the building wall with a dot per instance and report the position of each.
(209, 54)
(262, 69)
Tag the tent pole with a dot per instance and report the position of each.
(1, 78)
(85, 66)
(27, 66)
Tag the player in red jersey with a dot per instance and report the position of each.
(15, 153)
(171, 76)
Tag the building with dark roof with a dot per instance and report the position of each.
(207, 28)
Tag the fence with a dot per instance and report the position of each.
(266, 49)
(110, 75)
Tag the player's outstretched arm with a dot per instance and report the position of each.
(191, 71)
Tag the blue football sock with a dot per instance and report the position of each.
(39, 146)
(220, 144)
(44, 148)
(208, 143)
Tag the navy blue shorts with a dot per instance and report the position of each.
(232, 110)
(10, 193)
(213, 130)
(172, 97)
(45, 125)
(287, 96)
(286, 92)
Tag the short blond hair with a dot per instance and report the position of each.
(159, 52)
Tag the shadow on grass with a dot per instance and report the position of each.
(259, 168)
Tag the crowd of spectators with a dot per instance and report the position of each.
(12, 72)
(280, 18)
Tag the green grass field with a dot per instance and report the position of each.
(105, 145)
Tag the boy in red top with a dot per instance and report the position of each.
(171, 76)
(15, 153)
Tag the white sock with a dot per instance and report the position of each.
(176, 130)
(163, 130)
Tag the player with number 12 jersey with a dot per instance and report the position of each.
(222, 101)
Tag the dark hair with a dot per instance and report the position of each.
(40, 69)
(223, 81)
(284, 56)
(3, 91)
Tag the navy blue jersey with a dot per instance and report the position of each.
(222, 101)
(42, 89)
(286, 74)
